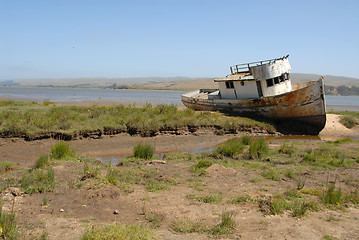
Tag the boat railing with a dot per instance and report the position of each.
(244, 67)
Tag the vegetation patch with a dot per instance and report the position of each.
(258, 148)
(36, 121)
(212, 198)
(231, 148)
(62, 150)
(144, 151)
(8, 228)
(6, 166)
(117, 231)
(38, 180)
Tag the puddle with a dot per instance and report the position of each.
(116, 158)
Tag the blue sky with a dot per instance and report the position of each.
(107, 38)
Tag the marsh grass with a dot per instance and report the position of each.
(272, 174)
(62, 150)
(38, 180)
(155, 219)
(90, 171)
(112, 176)
(42, 161)
(188, 226)
(233, 147)
(6, 166)
(287, 148)
(35, 120)
(144, 151)
(212, 198)
(241, 198)
(200, 167)
(225, 227)
(332, 195)
(299, 208)
(7, 225)
(227, 224)
(258, 148)
(117, 231)
(349, 121)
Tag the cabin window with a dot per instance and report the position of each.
(276, 80)
(242, 83)
(229, 84)
(282, 78)
(269, 82)
(286, 76)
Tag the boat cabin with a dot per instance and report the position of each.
(256, 79)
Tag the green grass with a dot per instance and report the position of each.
(42, 161)
(332, 195)
(201, 166)
(231, 147)
(258, 148)
(287, 148)
(212, 198)
(188, 226)
(38, 180)
(144, 151)
(6, 166)
(8, 229)
(227, 224)
(241, 198)
(119, 232)
(272, 174)
(67, 122)
(153, 218)
(62, 150)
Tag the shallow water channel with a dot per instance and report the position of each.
(117, 158)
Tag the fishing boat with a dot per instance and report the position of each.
(264, 88)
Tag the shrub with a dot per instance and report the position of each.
(144, 151)
(231, 148)
(61, 150)
(38, 180)
(257, 148)
(117, 231)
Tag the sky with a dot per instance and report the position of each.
(169, 38)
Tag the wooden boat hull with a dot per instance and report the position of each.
(305, 103)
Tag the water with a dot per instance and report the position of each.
(48, 94)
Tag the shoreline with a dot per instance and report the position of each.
(102, 103)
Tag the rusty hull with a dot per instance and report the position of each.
(305, 104)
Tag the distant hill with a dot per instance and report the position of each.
(165, 83)
(328, 79)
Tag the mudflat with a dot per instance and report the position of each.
(276, 197)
